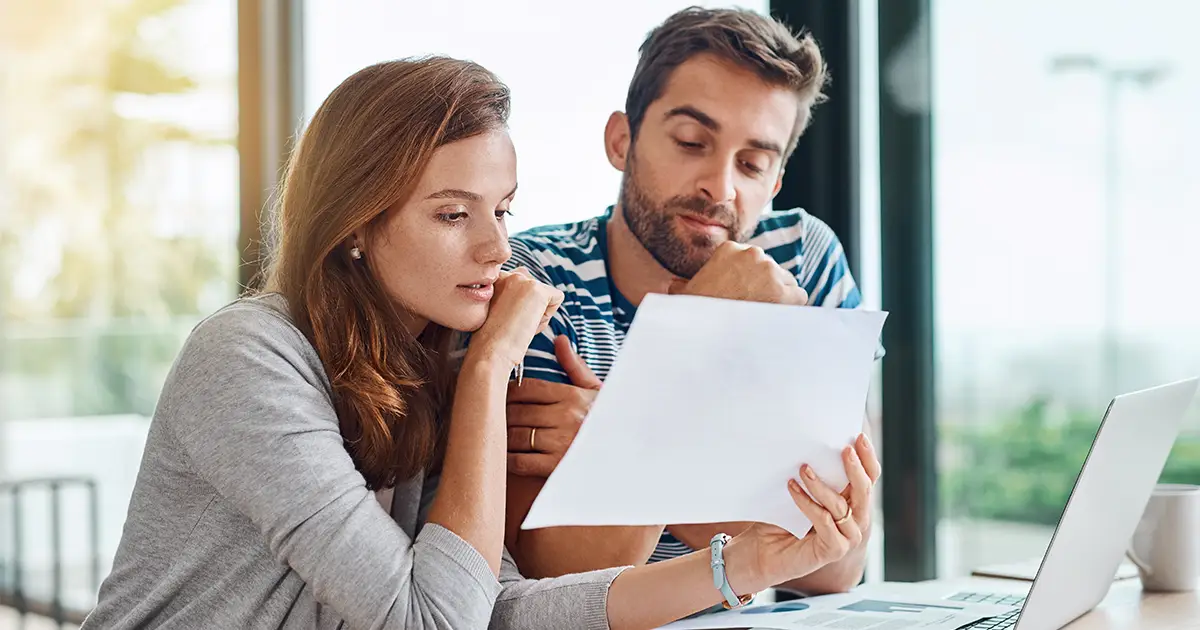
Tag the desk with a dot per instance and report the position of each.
(1125, 607)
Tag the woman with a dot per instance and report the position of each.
(316, 458)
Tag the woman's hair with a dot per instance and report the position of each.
(363, 152)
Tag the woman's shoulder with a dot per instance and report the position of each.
(255, 330)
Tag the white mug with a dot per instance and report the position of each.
(1166, 545)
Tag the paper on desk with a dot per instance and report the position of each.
(709, 408)
(847, 610)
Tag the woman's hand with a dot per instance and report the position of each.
(521, 308)
(770, 555)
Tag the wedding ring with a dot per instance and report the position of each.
(533, 440)
(849, 513)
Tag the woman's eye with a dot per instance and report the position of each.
(691, 146)
(500, 214)
(452, 217)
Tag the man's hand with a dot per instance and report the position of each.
(743, 272)
(543, 417)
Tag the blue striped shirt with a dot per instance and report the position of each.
(595, 316)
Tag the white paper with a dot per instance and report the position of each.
(710, 407)
(847, 611)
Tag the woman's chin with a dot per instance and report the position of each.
(466, 320)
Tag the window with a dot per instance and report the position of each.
(1064, 161)
(566, 77)
(118, 231)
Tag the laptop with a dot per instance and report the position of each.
(1118, 476)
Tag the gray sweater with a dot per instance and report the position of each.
(248, 512)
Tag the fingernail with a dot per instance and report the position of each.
(851, 454)
(808, 472)
(793, 485)
(867, 442)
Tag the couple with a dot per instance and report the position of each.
(322, 454)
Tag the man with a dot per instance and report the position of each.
(715, 107)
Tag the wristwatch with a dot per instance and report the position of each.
(720, 579)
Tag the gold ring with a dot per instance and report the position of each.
(533, 440)
(849, 513)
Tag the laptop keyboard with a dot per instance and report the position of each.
(1000, 622)
(987, 598)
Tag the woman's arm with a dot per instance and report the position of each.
(248, 403)
(653, 595)
(470, 498)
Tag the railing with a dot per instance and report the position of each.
(13, 590)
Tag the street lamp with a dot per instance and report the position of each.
(1114, 77)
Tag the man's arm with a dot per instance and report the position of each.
(555, 403)
(557, 551)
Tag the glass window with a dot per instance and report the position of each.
(566, 77)
(1065, 151)
(118, 231)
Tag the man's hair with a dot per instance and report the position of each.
(755, 42)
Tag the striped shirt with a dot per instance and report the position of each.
(595, 316)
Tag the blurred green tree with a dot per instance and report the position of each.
(1023, 467)
(118, 280)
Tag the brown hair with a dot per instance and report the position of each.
(758, 43)
(363, 152)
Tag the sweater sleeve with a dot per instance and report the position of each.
(571, 602)
(250, 407)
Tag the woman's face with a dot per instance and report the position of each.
(439, 252)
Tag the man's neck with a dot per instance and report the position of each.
(632, 270)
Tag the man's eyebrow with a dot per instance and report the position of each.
(695, 114)
(455, 193)
(712, 125)
(767, 145)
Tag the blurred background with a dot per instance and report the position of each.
(1015, 182)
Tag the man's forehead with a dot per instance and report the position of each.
(732, 96)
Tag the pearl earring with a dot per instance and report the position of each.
(355, 252)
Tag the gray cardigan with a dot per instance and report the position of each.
(248, 512)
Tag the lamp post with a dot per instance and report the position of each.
(1114, 77)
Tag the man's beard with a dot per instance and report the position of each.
(653, 225)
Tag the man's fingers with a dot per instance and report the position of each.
(531, 464)
(519, 439)
(538, 392)
(533, 416)
(546, 440)
(795, 296)
(578, 371)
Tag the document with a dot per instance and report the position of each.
(710, 407)
(847, 611)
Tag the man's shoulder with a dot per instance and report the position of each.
(579, 237)
(793, 229)
(560, 253)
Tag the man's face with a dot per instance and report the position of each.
(707, 159)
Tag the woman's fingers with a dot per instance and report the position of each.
(819, 516)
(870, 459)
(859, 491)
(830, 499)
(833, 541)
